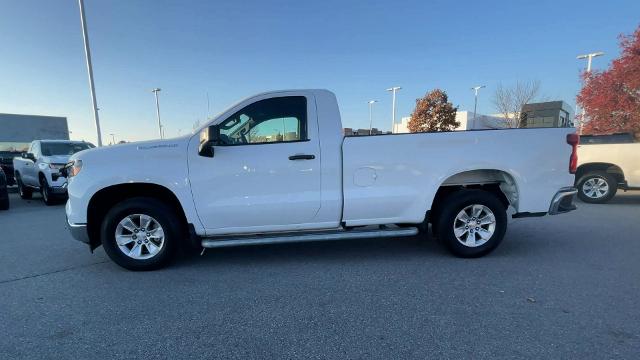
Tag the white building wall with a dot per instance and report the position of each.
(466, 120)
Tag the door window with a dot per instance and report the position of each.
(275, 120)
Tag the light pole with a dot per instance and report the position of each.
(113, 139)
(371, 102)
(155, 92)
(87, 52)
(589, 58)
(475, 104)
(393, 108)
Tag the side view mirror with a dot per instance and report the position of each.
(208, 138)
(29, 156)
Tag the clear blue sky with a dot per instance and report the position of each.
(232, 49)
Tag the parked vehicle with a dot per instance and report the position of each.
(276, 168)
(607, 163)
(4, 193)
(39, 168)
(6, 163)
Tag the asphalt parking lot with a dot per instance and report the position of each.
(558, 287)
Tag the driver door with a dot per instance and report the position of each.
(265, 172)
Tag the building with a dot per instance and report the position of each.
(534, 115)
(546, 114)
(466, 120)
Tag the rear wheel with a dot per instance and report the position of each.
(597, 187)
(472, 223)
(141, 234)
(25, 192)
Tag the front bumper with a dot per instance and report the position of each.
(563, 201)
(79, 232)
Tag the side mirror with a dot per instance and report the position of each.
(28, 156)
(208, 138)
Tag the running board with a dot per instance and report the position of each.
(294, 237)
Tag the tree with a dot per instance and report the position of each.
(509, 100)
(433, 112)
(611, 98)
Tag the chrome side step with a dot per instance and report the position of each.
(294, 237)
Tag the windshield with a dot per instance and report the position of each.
(49, 149)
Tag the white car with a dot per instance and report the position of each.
(39, 168)
(607, 163)
(275, 168)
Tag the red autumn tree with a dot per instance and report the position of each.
(433, 112)
(611, 98)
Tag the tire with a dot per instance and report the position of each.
(45, 190)
(605, 188)
(4, 199)
(24, 191)
(480, 239)
(160, 214)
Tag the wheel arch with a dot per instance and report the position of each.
(496, 181)
(105, 198)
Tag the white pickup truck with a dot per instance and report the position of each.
(607, 163)
(39, 168)
(276, 168)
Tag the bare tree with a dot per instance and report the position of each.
(509, 100)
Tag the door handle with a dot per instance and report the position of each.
(302, 157)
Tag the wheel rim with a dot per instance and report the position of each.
(595, 188)
(139, 236)
(474, 225)
(45, 193)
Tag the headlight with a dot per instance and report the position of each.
(56, 166)
(74, 167)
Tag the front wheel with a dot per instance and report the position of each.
(472, 223)
(597, 187)
(45, 190)
(25, 192)
(141, 234)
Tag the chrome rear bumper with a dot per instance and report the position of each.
(563, 201)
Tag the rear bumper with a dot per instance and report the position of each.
(79, 232)
(563, 201)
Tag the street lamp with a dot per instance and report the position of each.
(92, 88)
(155, 92)
(589, 58)
(371, 102)
(475, 104)
(393, 108)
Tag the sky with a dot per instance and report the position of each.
(233, 49)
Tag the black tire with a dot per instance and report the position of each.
(45, 190)
(453, 205)
(24, 191)
(159, 211)
(596, 198)
(4, 199)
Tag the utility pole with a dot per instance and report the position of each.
(371, 102)
(393, 108)
(589, 58)
(475, 104)
(155, 92)
(87, 52)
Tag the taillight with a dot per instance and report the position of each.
(573, 140)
